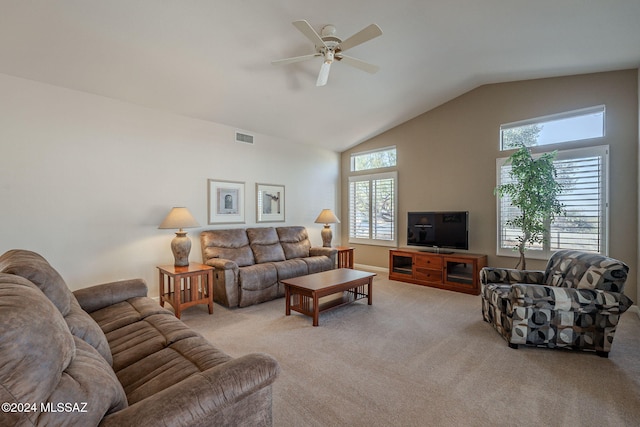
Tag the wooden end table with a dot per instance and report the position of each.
(345, 256)
(183, 287)
(306, 291)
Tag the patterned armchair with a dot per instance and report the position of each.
(575, 303)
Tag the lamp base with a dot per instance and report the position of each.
(326, 236)
(181, 246)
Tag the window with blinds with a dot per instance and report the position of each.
(584, 175)
(372, 209)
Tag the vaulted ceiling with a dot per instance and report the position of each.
(212, 59)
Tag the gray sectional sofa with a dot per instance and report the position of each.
(109, 355)
(251, 263)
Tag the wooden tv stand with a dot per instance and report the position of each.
(452, 271)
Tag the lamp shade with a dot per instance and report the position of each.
(179, 218)
(327, 217)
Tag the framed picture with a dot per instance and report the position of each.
(226, 202)
(269, 203)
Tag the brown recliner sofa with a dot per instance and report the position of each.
(251, 263)
(108, 355)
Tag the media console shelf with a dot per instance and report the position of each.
(453, 271)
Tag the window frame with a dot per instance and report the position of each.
(352, 158)
(372, 240)
(554, 117)
(575, 153)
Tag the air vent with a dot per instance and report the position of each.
(244, 138)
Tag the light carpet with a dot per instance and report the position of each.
(421, 356)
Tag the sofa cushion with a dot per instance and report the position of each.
(126, 312)
(138, 327)
(572, 266)
(230, 244)
(555, 280)
(265, 245)
(138, 340)
(35, 343)
(614, 276)
(295, 241)
(591, 278)
(169, 366)
(36, 269)
(53, 365)
(257, 277)
(88, 379)
(84, 327)
(291, 268)
(257, 283)
(316, 264)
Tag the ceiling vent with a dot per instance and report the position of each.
(244, 138)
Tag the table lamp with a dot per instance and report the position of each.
(326, 217)
(180, 218)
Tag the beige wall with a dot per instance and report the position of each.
(447, 158)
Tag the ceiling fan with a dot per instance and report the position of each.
(331, 48)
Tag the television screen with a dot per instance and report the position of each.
(438, 229)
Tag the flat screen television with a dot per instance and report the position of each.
(438, 229)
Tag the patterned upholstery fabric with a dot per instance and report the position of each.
(575, 303)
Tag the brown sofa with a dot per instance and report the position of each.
(251, 263)
(108, 355)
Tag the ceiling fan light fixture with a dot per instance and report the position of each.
(331, 48)
(329, 56)
(323, 76)
(328, 31)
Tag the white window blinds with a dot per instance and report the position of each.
(584, 175)
(372, 208)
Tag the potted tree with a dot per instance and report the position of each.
(534, 191)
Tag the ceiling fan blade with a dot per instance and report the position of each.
(305, 28)
(295, 59)
(354, 62)
(366, 34)
(323, 76)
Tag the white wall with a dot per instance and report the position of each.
(85, 180)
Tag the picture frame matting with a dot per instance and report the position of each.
(226, 202)
(270, 203)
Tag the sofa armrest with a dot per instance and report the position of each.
(100, 296)
(225, 281)
(556, 298)
(194, 400)
(510, 276)
(321, 250)
(331, 253)
(222, 264)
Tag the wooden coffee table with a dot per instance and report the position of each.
(306, 291)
